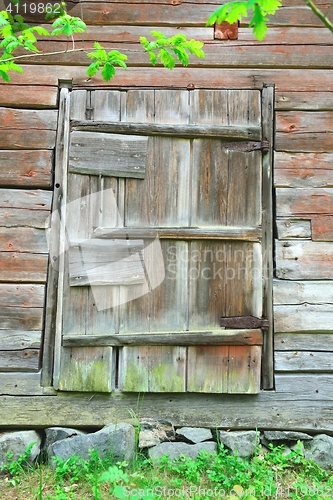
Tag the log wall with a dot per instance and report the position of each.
(296, 57)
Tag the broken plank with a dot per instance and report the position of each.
(26, 168)
(303, 318)
(293, 229)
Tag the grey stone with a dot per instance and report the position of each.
(286, 436)
(174, 450)
(53, 434)
(114, 440)
(17, 443)
(195, 434)
(153, 432)
(241, 443)
(320, 449)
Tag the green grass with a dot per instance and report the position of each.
(268, 474)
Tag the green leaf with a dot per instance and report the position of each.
(181, 55)
(108, 72)
(158, 34)
(4, 75)
(40, 30)
(93, 68)
(258, 23)
(167, 59)
(153, 58)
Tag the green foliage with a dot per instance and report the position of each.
(105, 62)
(68, 25)
(16, 467)
(234, 11)
(168, 48)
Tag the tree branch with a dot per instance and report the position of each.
(36, 54)
(319, 14)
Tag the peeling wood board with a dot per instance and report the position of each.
(23, 217)
(301, 361)
(299, 292)
(19, 361)
(18, 340)
(303, 318)
(293, 229)
(303, 260)
(301, 201)
(303, 342)
(114, 155)
(26, 168)
(29, 96)
(322, 228)
(23, 267)
(304, 132)
(303, 170)
(20, 384)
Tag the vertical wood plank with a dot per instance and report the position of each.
(208, 369)
(167, 369)
(244, 369)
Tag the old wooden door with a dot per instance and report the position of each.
(160, 235)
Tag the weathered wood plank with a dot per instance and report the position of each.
(303, 342)
(303, 318)
(21, 295)
(26, 168)
(304, 260)
(18, 384)
(188, 233)
(114, 155)
(28, 97)
(304, 132)
(293, 229)
(322, 227)
(223, 337)
(208, 369)
(23, 267)
(24, 360)
(304, 386)
(299, 292)
(230, 132)
(23, 217)
(244, 369)
(23, 239)
(17, 340)
(17, 318)
(30, 199)
(306, 101)
(300, 201)
(24, 129)
(301, 361)
(303, 170)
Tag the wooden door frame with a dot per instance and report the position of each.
(52, 313)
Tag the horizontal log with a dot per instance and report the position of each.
(301, 361)
(293, 229)
(303, 318)
(218, 233)
(26, 168)
(25, 138)
(303, 170)
(21, 318)
(224, 337)
(20, 384)
(19, 267)
(30, 199)
(23, 217)
(23, 239)
(299, 292)
(230, 132)
(304, 386)
(19, 361)
(301, 201)
(183, 78)
(29, 96)
(304, 260)
(303, 342)
(304, 132)
(21, 295)
(16, 340)
(306, 101)
(322, 227)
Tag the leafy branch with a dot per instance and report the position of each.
(166, 48)
(105, 62)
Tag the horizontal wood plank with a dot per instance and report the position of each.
(229, 132)
(23, 217)
(17, 340)
(19, 361)
(30, 96)
(322, 227)
(17, 318)
(305, 101)
(21, 295)
(26, 168)
(304, 260)
(301, 361)
(301, 201)
(303, 170)
(26, 199)
(299, 292)
(303, 342)
(20, 384)
(19, 267)
(303, 386)
(304, 132)
(218, 233)
(303, 318)
(23, 239)
(225, 337)
(293, 229)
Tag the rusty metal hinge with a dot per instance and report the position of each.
(246, 322)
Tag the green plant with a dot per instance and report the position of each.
(21, 464)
